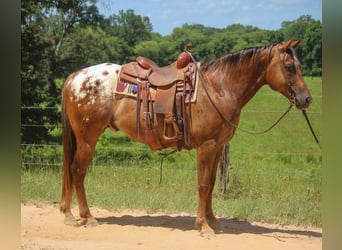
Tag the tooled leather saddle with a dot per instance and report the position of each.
(162, 93)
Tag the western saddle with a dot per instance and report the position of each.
(164, 93)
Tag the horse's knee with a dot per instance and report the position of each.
(203, 188)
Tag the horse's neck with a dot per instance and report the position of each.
(251, 88)
(244, 85)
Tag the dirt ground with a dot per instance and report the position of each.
(42, 227)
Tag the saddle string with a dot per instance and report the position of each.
(204, 85)
(163, 156)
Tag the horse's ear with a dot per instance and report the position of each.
(294, 44)
(290, 43)
(285, 45)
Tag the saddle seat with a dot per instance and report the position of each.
(163, 76)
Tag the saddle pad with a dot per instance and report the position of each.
(123, 87)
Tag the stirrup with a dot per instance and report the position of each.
(174, 129)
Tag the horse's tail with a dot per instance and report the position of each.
(69, 149)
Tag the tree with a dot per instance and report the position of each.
(220, 44)
(130, 27)
(196, 35)
(91, 45)
(44, 26)
(312, 49)
(296, 30)
(276, 36)
(310, 32)
(149, 49)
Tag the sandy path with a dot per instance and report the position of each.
(42, 227)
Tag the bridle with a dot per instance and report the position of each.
(227, 121)
(292, 99)
(289, 68)
(292, 94)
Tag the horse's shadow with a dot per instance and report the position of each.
(186, 223)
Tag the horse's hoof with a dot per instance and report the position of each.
(208, 233)
(71, 221)
(92, 222)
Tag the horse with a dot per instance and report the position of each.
(90, 106)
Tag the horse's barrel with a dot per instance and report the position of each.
(183, 60)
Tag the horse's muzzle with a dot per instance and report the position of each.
(303, 101)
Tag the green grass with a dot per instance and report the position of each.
(275, 177)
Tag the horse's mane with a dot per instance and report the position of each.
(232, 59)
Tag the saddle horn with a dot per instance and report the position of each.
(184, 57)
(187, 47)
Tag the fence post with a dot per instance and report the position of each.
(224, 169)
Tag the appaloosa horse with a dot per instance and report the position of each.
(89, 106)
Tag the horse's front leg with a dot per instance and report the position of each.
(207, 160)
(212, 220)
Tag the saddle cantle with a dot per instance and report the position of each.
(162, 92)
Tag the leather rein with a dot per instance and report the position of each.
(228, 122)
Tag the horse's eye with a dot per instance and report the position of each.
(291, 68)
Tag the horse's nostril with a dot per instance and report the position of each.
(308, 99)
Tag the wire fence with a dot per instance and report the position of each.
(59, 125)
(50, 155)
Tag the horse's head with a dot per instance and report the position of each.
(284, 74)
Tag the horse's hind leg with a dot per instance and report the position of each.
(66, 209)
(84, 154)
(74, 175)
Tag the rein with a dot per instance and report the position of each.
(204, 85)
(311, 129)
(228, 122)
(292, 102)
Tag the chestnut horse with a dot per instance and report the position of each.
(89, 106)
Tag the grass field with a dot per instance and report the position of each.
(275, 177)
